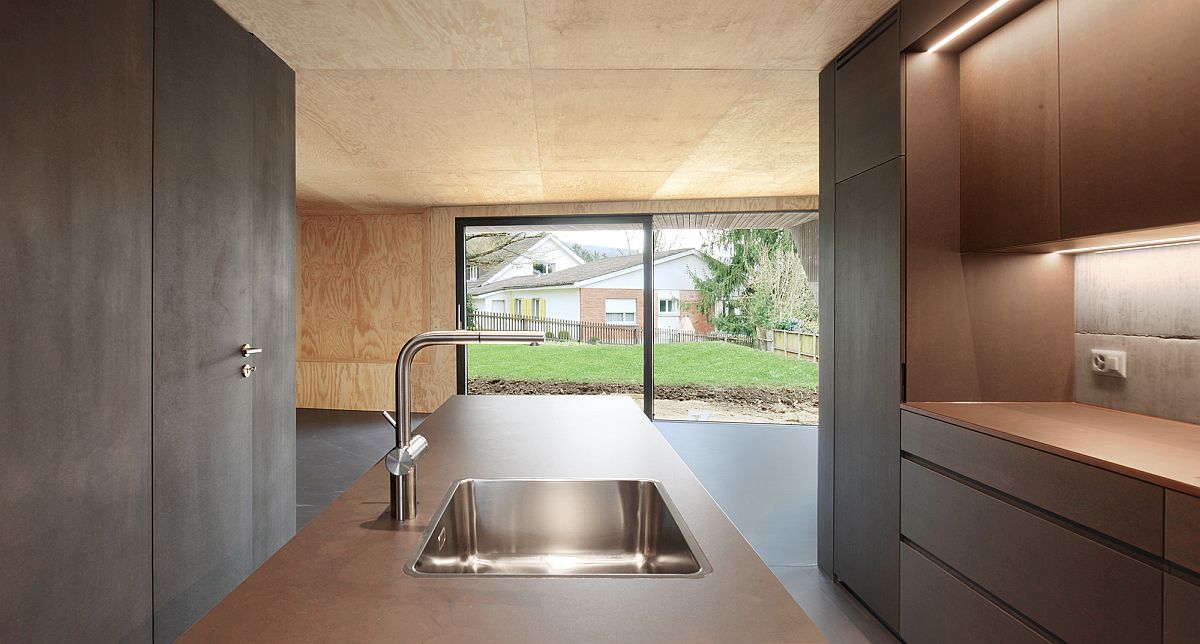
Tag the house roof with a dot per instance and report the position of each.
(504, 256)
(584, 272)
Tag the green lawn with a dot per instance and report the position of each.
(696, 363)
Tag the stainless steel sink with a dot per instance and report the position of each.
(558, 528)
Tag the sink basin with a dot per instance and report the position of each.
(558, 528)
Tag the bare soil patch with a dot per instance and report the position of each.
(699, 402)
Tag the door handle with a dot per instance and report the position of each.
(248, 350)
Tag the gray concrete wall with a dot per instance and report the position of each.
(1145, 302)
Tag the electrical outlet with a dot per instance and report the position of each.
(1108, 362)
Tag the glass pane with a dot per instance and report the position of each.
(736, 331)
(581, 285)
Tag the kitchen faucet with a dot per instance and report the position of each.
(402, 460)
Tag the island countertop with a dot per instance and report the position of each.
(342, 577)
(1156, 450)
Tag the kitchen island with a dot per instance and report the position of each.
(342, 577)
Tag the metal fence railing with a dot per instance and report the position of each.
(592, 332)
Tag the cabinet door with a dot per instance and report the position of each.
(1009, 128)
(937, 608)
(868, 103)
(1130, 114)
(1181, 610)
(867, 374)
(203, 268)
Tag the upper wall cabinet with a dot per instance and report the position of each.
(919, 16)
(1010, 134)
(867, 101)
(1130, 114)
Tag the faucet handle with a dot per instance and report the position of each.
(402, 460)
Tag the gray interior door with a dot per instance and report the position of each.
(203, 273)
(274, 308)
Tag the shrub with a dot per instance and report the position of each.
(563, 335)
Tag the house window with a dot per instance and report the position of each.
(541, 268)
(497, 306)
(620, 311)
(516, 306)
(536, 307)
(472, 272)
(668, 306)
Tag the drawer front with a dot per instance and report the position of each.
(1072, 586)
(935, 608)
(1183, 530)
(1181, 611)
(1118, 506)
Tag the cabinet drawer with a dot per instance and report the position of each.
(1118, 506)
(1183, 530)
(1073, 586)
(868, 101)
(1181, 611)
(935, 607)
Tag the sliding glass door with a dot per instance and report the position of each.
(699, 317)
(582, 282)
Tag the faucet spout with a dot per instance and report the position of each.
(402, 460)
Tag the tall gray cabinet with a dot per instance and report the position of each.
(861, 370)
(147, 200)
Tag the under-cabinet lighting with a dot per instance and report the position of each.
(970, 23)
(1155, 243)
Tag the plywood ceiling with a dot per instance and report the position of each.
(407, 103)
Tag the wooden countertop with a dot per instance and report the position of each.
(341, 578)
(1156, 450)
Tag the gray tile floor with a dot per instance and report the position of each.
(763, 476)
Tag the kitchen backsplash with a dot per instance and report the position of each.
(1145, 302)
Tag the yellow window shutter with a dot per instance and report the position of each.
(527, 307)
(542, 307)
(512, 307)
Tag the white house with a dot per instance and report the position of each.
(606, 290)
(530, 256)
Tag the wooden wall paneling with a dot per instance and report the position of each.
(1010, 133)
(441, 380)
(274, 290)
(866, 471)
(365, 285)
(938, 608)
(939, 347)
(1181, 610)
(1024, 302)
(826, 436)
(75, 378)
(203, 263)
(650, 207)
(1076, 588)
(1130, 114)
(869, 124)
(327, 298)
